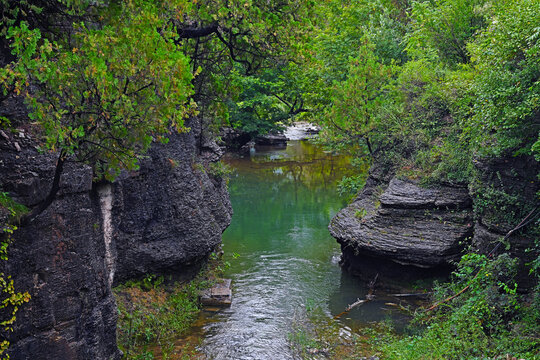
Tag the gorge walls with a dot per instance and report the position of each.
(164, 218)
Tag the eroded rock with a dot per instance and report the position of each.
(162, 219)
(406, 223)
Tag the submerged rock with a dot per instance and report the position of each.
(405, 223)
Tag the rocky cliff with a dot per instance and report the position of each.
(161, 219)
(505, 192)
(395, 221)
(403, 222)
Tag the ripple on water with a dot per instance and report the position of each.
(283, 201)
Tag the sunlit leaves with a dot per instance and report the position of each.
(356, 102)
(441, 29)
(506, 60)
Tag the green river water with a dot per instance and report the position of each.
(280, 252)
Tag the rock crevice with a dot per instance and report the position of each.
(163, 218)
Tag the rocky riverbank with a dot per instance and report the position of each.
(407, 227)
(164, 218)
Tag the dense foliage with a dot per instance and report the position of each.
(425, 87)
(449, 81)
(486, 321)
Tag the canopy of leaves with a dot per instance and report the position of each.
(103, 95)
(506, 58)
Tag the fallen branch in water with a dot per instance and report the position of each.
(399, 306)
(412, 295)
(354, 304)
(358, 302)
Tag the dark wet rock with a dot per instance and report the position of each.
(398, 221)
(164, 218)
(274, 139)
(247, 148)
(210, 151)
(58, 259)
(517, 178)
(405, 223)
(233, 139)
(170, 214)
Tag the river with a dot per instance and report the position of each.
(281, 254)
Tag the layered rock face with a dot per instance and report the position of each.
(396, 221)
(405, 223)
(163, 218)
(514, 181)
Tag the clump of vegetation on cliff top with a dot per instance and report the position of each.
(462, 82)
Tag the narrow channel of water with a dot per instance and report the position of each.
(281, 253)
(283, 200)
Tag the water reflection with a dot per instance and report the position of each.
(283, 200)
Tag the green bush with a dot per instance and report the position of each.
(152, 316)
(487, 320)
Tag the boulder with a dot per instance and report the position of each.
(405, 223)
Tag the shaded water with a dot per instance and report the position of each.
(283, 200)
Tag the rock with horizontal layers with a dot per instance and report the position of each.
(405, 223)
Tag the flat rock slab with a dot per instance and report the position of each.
(218, 295)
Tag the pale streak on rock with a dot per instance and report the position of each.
(105, 200)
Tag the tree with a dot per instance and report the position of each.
(506, 59)
(105, 93)
(266, 101)
(440, 29)
(243, 40)
(357, 102)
